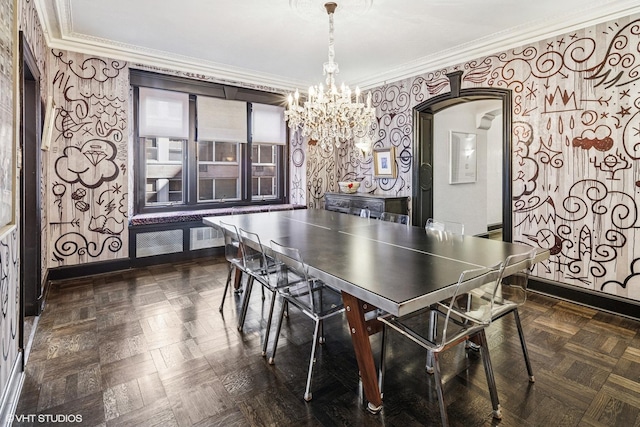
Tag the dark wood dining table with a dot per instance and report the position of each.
(376, 265)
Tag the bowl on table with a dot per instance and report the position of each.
(349, 186)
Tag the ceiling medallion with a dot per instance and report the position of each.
(313, 10)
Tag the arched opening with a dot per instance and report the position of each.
(423, 176)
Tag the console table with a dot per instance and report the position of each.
(342, 202)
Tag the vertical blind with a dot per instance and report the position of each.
(221, 120)
(268, 124)
(163, 113)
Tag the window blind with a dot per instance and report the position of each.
(268, 124)
(221, 120)
(163, 113)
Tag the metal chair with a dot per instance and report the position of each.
(444, 226)
(446, 329)
(259, 267)
(395, 217)
(310, 295)
(504, 298)
(232, 252)
(361, 212)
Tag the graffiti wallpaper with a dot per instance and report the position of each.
(9, 252)
(88, 161)
(576, 149)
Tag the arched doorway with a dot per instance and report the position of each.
(422, 197)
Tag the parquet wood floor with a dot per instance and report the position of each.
(148, 347)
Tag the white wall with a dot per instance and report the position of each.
(467, 203)
(494, 171)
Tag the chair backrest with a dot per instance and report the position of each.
(444, 226)
(513, 284)
(293, 274)
(232, 247)
(253, 257)
(395, 217)
(505, 294)
(362, 213)
(467, 282)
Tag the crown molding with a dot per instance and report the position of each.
(500, 42)
(67, 39)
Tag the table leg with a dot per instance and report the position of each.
(362, 348)
(237, 280)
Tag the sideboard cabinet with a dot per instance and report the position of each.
(342, 202)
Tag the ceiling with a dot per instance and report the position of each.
(282, 44)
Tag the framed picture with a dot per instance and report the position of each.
(384, 163)
(462, 158)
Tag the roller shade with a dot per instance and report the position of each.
(221, 120)
(267, 124)
(163, 113)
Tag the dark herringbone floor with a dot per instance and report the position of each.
(149, 348)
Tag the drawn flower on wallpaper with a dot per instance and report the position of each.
(90, 165)
(598, 138)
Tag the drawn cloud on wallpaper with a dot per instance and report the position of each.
(91, 165)
(631, 283)
(598, 138)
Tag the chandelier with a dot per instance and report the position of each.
(331, 117)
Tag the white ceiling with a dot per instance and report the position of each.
(283, 43)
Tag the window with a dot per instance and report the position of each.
(218, 171)
(196, 149)
(164, 167)
(263, 171)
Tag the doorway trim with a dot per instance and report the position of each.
(30, 181)
(423, 155)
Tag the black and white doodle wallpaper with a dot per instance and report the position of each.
(576, 149)
(9, 252)
(87, 177)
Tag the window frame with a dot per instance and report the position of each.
(195, 88)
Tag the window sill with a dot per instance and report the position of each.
(188, 216)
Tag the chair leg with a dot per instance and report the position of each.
(272, 359)
(226, 287)
(488, 369)
(383, 351)
(438, 379)
(245, 302)
(525, 352)
(269, 318)
(433, 328)
(312, 360)
(321, 333)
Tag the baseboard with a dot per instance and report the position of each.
(89, 269)
(101, 267)
(604, 302)
(9, 401)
